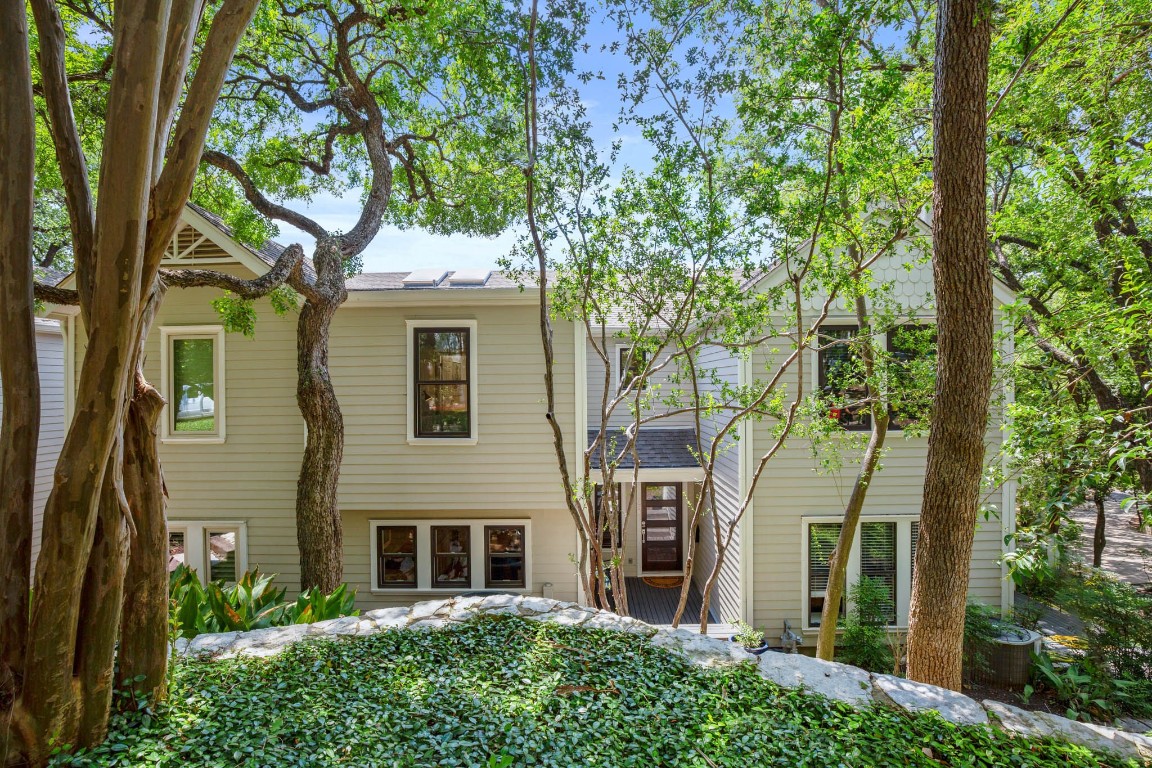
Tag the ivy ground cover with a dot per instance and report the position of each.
(503, 691)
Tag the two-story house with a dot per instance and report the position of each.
(450, 482)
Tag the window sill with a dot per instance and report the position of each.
(459, 441)
(193, 440)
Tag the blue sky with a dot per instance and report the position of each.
(396, 250)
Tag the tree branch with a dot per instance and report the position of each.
(286, 265)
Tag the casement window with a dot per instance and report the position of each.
(450, 555)
(216, 551)
(841, 377)
(599, 511)
(442, 381)
(884, 550)
(630, 363)
(912, 349)
(192, 380)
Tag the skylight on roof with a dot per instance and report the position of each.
(424, 278)
(470, 276)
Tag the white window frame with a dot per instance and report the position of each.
(196, 543)
(473, 381)
(903, 564)
(168, 335)
(477, 557)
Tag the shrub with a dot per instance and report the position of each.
(865, 642)
(252, 603)
(1118, 620)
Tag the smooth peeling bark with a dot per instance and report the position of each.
(964, 330)
(48, 707)
(318, 524)
(20, 419)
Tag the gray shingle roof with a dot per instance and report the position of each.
(393, 281)
(657, 449)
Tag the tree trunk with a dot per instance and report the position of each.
(319, 532)
(838, 564)
(964, 328)
(20, 419)
(143, 650)
(1098, 540)
(100, 603)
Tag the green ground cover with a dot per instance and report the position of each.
(503, 691)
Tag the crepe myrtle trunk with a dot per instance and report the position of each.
(963, 286)
(318, 526)
(20, 419)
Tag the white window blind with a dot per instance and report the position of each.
(878, 558)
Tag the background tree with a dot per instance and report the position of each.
(415, 108)
(964, 359)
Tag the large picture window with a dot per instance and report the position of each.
(192, 360)
(450, 555)
(442, 380)
(884, 550)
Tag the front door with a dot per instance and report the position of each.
(661, 527)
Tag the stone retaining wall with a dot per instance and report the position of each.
(835, 681)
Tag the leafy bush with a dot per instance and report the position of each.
(747, 635)
(1118, 620)
(1089, 693)
(503, 691)
(865, 642)
(981, 627)
(251, 603)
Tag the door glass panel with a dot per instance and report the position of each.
(661, 514)
(661, 533)
(660, 492)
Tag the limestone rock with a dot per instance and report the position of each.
(918, 697)
(211, 644)
(383, 618)
(839, 682)
(1046, 725)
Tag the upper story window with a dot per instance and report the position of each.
(630, 364)
(841, 377)
(192, 380)
(912, 356)
(912, 349)
(442, 380)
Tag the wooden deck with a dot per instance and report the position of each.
(657, 605)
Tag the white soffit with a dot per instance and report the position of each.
(470, 277)
(424, 278)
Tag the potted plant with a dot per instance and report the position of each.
(751, 638)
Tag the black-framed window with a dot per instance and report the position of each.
(442, 379)
(505, 565)
(396, 552)
(605, 529)
(631, 363)
(841, 377)
(451, 555)
(912, 350)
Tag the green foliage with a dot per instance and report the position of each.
(747, 635)
(864, 642)
(981, 626)
(1089, 693)
(251, 603)
(502, 691)
(1118, 619)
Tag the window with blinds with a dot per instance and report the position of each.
(878, 559)
(822, 539)
(915, 539)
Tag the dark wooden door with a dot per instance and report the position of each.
(661, 527)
